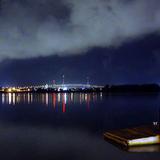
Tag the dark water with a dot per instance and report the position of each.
(71, 126)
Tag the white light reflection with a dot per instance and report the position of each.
(83, 97)
(59, 97)
(18, 98)
(50, 99)
(47, 99)
(101, 96)
(86, 97)
(28, 97)
(14, 98)
(31, 98)
(3, 98)
(10, 98)
(80, 98)
(72, 99)
(65, 98)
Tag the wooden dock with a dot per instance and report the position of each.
(137, 136)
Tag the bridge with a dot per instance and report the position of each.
(68, 86)
(56, 87)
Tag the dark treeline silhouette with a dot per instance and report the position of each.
(132, 88)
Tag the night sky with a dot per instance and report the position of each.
(109, 41)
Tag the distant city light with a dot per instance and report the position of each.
(54, 88)
(65, 88)
(46, 86)
(9, 89)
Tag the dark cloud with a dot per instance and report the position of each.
(46, 27)
(137, 62)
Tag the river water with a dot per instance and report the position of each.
(70, 126)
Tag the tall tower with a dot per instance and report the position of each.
(63, 79)
(87, 80)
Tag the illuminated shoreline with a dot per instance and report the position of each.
(69, 88)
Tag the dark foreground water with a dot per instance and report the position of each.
(71, 126)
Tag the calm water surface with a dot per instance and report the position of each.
(70, 126)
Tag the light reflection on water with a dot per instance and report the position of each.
(51, 99)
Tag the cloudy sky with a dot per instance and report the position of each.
(110, 41)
